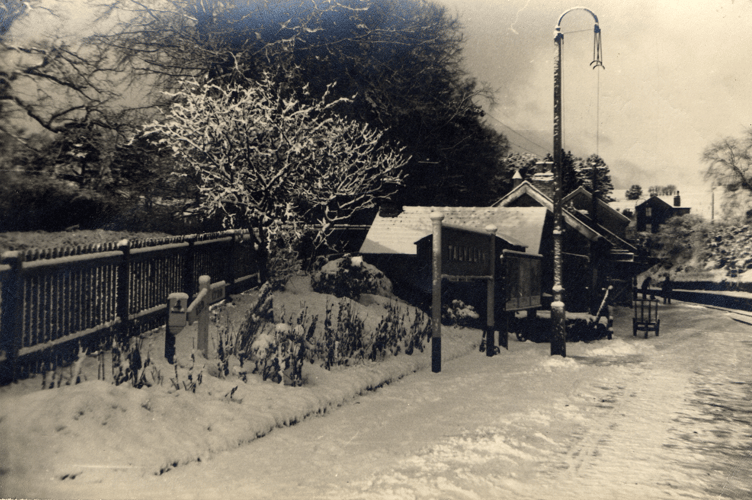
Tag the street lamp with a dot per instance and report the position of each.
(558, 311)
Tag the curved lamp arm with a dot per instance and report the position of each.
(597, 52)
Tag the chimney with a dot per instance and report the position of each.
(677, 200)
(544, 178)
(516, 179)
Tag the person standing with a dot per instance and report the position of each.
(667, 288)
(645, 287)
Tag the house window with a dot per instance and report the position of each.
(648, 211)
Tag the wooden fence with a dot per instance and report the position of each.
(52, 300)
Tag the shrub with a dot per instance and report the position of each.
(351, 278)
(254, 323)
(458, 314)
(284, 259)
(279, 350)
(392, 331)
(342, 341)
(129, 366)
(420, 331)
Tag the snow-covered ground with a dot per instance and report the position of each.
(663, 417)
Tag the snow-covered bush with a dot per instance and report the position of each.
(350, 277)
(256, 320)
(129, 365)
(342, 342)
(278, 350)
(458, 314)
(72, 374)
(392, 333)
(278, 353)
(284, 259)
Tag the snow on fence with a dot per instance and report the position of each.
(52, 300)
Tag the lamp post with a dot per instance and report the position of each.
(558, 310)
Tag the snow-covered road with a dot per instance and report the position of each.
(631, 418)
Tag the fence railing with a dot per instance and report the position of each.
(53, 300)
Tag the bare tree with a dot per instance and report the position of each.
(268, 162)
(729, 162)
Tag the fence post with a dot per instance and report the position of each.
(230, 263)
(202, 337)
(124, 289)
(188, 268)
(11, 320)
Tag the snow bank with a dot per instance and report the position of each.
(557, 362)
(618, 347)
(86, 429)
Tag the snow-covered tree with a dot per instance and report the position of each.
(271, 160)
(584, 171)
(634, 192)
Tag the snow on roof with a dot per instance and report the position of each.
(526, 188)
(397, 235)
(610, 209)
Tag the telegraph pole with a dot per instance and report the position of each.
(558, 310)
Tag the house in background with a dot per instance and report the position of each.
(595, 251)
(656, 210)
(608, 220)
(584, 235)
(391, 242)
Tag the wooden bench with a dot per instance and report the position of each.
(646, 317)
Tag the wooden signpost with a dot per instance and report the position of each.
(461, 254)
(180, 314)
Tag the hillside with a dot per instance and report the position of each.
(693, 249)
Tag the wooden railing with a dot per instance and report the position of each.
(52, 301)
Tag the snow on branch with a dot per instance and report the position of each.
(265, 159)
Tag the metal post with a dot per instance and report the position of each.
(436, 218)
(490, 291)
(202, 342)
(558, 310)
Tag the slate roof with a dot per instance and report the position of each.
(611, 211)
(397, 235)
(526, 188)
(668, 200)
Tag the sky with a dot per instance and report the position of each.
(674, 81)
